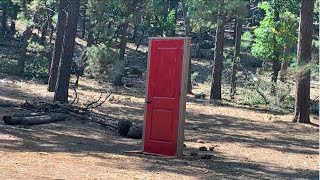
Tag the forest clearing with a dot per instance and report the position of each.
(161, 89)
(248, 144)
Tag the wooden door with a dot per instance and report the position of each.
(163, 96)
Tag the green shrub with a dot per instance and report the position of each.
(246, 41)
(7, 66)
(36, 66)
(100, 61)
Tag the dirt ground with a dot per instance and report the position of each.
(249, 144)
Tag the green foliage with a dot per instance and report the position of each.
(163, 25)
(37, 66)
(100, 61)
(246, 41)
(227, 64)
(255, 91)
(7, 66)
(270, 36)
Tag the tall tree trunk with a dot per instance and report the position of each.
(62, 86)
(276, 64)
(238, 32)
(123, 41)
(285, 64)
(61, 25)
(215, 92)
(302, 104)
(23, 53)
(187, 32)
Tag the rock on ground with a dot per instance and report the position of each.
(135, 131)
(123, 127)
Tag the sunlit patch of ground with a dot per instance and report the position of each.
(249, 144)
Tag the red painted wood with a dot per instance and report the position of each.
(162, 117)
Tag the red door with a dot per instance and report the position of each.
(164, 83)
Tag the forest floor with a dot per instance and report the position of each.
(249, 143)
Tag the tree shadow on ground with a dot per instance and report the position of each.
(84, 138)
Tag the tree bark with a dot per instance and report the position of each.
(215, 92)
(238, 32)
(302, 103)
(62, 16)
(23, 53)
(123, 41)
(276, 64)
(44, 29)
(276, 67)
(62, 86)
(33, 120)
(187, 32)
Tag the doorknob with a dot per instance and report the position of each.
(148, 102)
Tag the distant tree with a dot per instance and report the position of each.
(302, 94)
(237, 45)
(62, 86)
(215, 92)
(239, 13)
(278, 28)
(62, 16)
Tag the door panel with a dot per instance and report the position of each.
(162, 116)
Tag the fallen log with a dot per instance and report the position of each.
(34, 120)
(29, 114)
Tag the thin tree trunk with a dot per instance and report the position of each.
(58, 45)
(90, 39)
(238, 32)
(215, 92)
(23, 53)
(276, 64)
(140, 40)
(302, 103)
(276, 67)
(135, 31)
(44, 31)
(62, 86)
(123, 41)
(187, 32)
